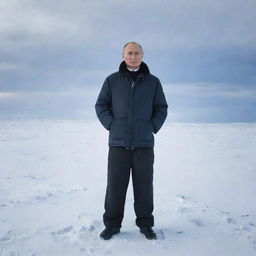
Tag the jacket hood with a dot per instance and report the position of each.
(143, 68)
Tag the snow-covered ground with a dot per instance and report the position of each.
(53, 181)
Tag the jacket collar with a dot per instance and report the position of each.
(143, 68)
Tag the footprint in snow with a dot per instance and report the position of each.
(182, 198)
(198, 222)
(44, 197)
(10, 252)
(13, 236)
(254, 244)
(83, 233)
(33, 177)
(245, 215)
(252, 224)
(184, 210)
(160, 234)
(203, 215)
(231, 220)
(63, 231)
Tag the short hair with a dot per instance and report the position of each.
(134, 43)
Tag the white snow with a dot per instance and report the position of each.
(53, 181)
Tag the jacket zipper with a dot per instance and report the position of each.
(132, 114)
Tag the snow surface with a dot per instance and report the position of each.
(53, 181)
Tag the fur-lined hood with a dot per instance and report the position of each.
(143, 68)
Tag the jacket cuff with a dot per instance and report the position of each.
(155, 130)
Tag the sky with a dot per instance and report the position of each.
(55, 55)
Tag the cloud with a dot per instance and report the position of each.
(195, 102)
(28, 24)
(65, 104)
(8, 95)
(7, 66)
(167, 24)
(220, 90)
(204, 51)
(211, 102)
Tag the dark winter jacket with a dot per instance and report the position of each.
(131, 111)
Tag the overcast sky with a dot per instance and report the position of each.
(55, 55)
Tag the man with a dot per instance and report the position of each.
(132, 106)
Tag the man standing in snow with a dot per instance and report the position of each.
(132, 106)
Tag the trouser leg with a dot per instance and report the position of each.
(142, 177)
(119, 165)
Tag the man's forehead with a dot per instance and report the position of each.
(132, 47)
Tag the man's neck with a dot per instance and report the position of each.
(130, 69)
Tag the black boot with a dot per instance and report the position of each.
(148, 232)
(107, 233)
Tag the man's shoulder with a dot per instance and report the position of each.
(113, 75)
(153, 78)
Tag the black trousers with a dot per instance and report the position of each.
(121, 162)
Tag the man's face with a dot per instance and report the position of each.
(132, 55)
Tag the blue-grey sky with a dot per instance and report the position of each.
(55, 55)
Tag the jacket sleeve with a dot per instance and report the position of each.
(103, 105)
(159, 108)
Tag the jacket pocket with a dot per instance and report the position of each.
(144, 129)
(118, 128)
